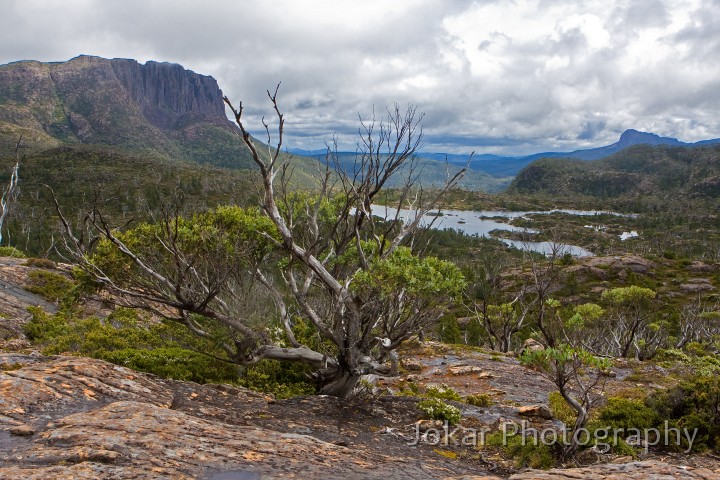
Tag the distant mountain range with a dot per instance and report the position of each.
(508, 166)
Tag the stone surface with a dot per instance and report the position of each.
(648, 470)
(541, 411)
(94, 420)
(464, 369)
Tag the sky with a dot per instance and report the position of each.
(490, 76)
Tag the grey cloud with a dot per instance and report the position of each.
(334, 67)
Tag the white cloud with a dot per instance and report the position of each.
(530, 74)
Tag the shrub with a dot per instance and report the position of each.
(442, 392)
(52, 286)
(436, 409)
(693, 404)
(41, 263)
(625, 413)
(482, 400)
(524, 452)
(11, 252)
(560, 409)
(173, 362)
(282, 379)
(161, 348)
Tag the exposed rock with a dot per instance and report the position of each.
(701, 267)
(463, 369)
(96, 420)
(696, 286)
(630, 262)
(22, 430)
(14, 301)
(647, 470)
(541, 411)
(532, 345)
(412, 365)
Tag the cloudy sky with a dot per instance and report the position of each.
(493, 76)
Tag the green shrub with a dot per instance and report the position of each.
(525, 453)
(706, 366)
(173, 362)
(11, 252)
(442, 392)
(436, 409)
(693, 404)
(161, 348)
(625, 413)
(165, 349)
(282, 379)
(482, 400)
(561, 409)
(52, 286)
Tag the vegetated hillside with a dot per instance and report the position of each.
(124, 186)
(642, 170)
(157, 108)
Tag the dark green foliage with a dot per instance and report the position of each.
(625, 413)
(642, 169)
(53, 287)
(174, 362)
(693, 404)
(11, 252)
(163, 349)
(123, 185)
(449, 330)
(526, 453)
(282, 379)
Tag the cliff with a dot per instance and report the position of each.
(158, 108)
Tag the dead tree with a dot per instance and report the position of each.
(364, 324)
(10, 190)
(341, 269)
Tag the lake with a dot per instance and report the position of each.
(481, 223)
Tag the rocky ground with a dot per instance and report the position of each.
(71, 417)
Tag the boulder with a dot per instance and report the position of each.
(540, 411)
(463, 369)
(532, 345)
(412, 364)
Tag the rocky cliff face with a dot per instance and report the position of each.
(167, 93)
(159, 107)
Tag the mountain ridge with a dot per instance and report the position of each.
(152, 108)
(508, 166)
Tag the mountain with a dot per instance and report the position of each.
(660, 170)
(500, 166)
(126, 134)
(156, 109)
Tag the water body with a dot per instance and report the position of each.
(481, 223)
